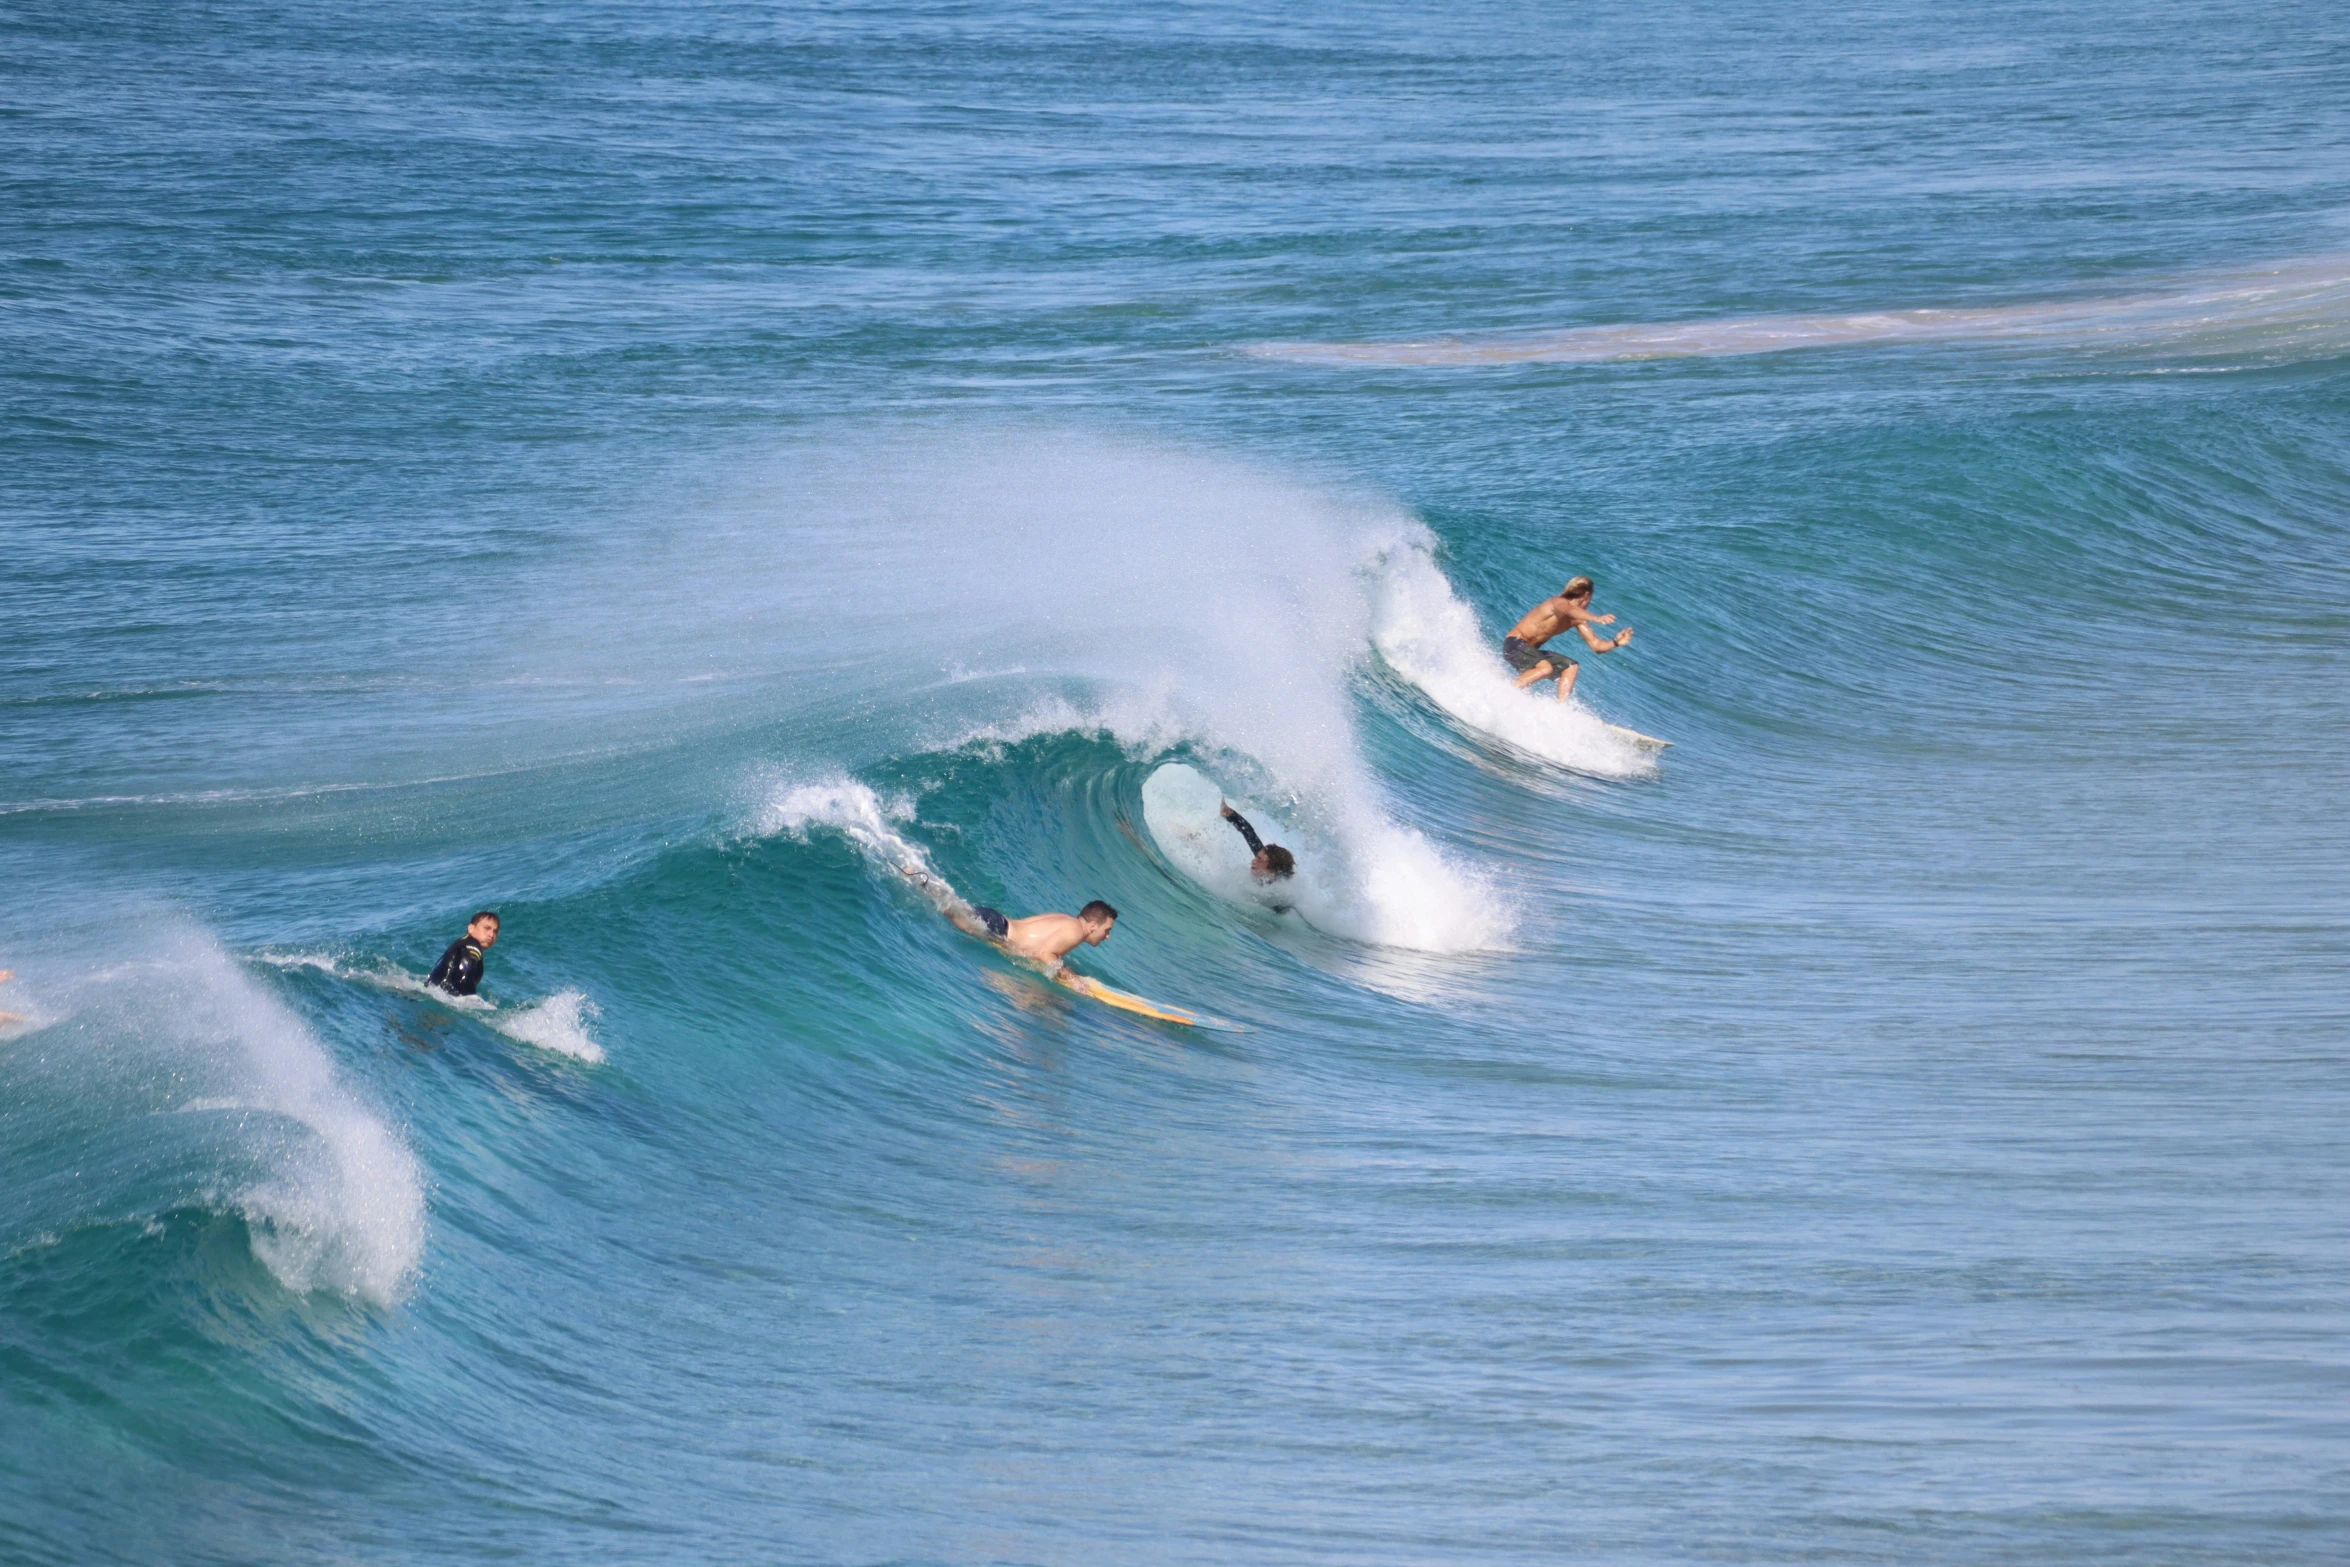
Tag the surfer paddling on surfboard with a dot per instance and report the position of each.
(1043, 939)
(1046, 940)
(1570, 611)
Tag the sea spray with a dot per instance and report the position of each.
(559, 1022)
(989, 589)
(1431, 638)
(331, 1196)
(847, 806)
(858, 814)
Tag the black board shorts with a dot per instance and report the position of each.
(1522, 655)
(993, 919)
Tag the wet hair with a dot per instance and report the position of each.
(1279, 860)
(1576, 588)
(486, 914)
(1097, 909)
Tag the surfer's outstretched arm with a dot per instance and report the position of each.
(1600, 644)
(1268, 861)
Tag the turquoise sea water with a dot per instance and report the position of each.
(651, 469)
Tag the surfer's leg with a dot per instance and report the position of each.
(1567, 679)
(1530, 676)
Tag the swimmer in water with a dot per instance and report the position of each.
(1570, 611)
(459, 970)
(1043, 939)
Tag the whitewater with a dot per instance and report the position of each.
(1861, 1081)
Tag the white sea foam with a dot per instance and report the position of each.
(2284, 312)
(845, 805)
(1377, 903)
(1163, 598)
(383, 975)
(948, 589)
(558, 1022)
(338, 1204)
(1431, 638)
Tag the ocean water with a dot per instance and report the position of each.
(660, 469)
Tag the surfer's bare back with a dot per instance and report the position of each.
(1046, 938)
(1570, 611)
(1043, 939)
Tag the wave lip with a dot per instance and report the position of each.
(848, 807)
(332, 1197)
(1230, 621)
(2292, 311)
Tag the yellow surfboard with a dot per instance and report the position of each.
(1125, 1001)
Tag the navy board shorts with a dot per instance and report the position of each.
(1522, 655)
(997, 926)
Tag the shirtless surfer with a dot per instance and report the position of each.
(1043, 939)
(1570, 611)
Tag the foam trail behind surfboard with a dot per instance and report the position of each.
(1430, 637)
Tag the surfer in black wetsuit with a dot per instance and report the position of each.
(459, 970)
(1272, 862)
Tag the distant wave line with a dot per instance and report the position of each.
(2304, 306)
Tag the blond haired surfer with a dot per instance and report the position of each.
(1522, 649)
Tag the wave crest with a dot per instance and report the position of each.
(332, 1197)
(2291, 311)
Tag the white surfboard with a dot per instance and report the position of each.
(1635, 737)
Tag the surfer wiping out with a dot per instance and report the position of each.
(1272, 862)
(1570, 611)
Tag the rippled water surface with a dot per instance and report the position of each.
(661, 471)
